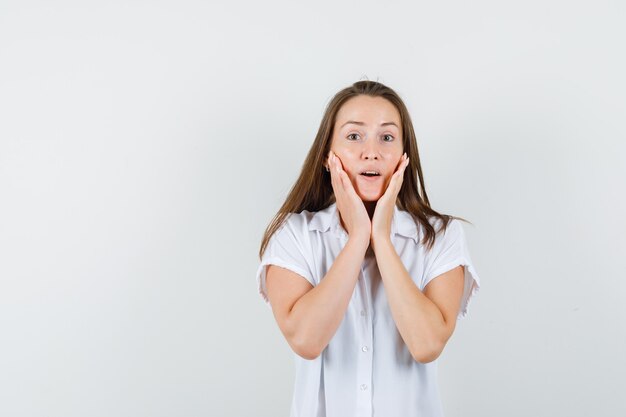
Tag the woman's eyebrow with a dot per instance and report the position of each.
(363, 124)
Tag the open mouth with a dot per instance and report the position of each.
(370, 176)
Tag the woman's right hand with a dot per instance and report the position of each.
(353, 212)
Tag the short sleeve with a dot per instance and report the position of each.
(449, 251)
(286, 248)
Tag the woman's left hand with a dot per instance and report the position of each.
(381, 220)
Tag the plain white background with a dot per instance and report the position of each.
(145, 146)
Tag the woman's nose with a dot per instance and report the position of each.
(370, 150)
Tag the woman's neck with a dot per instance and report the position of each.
(370, 206)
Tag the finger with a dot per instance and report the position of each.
(346, 183)
(339, 169)
(333, 174)
(404, 162)
(395, 182)
(347, 195)
(400, 178)
(399, 175)
(400, 163)
(337, 182)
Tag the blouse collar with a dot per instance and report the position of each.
(325, 220)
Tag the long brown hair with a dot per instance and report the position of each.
(313, 191)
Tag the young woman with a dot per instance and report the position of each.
(365, 280)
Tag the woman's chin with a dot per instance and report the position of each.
(369, 190)
(369, 195)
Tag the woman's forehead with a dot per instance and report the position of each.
(366, 111)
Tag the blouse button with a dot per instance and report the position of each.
(364, 348)
(363, 387)
(363, 312)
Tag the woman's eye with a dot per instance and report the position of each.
(351, 135)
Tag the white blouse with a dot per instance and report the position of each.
(366, 369)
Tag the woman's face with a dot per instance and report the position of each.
(367, 136)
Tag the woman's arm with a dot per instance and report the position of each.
(314, 318)
(425, 324)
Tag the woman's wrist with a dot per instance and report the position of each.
(360, 239)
